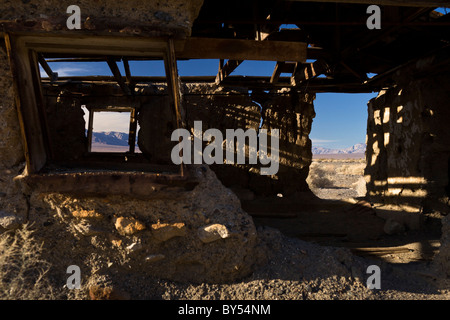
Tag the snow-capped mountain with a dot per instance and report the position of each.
(357, 148)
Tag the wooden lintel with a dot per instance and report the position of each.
(399, 3)
(98, 183)
(237, 49)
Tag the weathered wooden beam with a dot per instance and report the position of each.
(227, 69)
(276, 72)
(173, 84)
(126, 66)
(400, 3)
(25, 97)
(282, 67)
(52, 75)
(90, 129)
(116, 73)
(133, 129)
(96, 45)
(95, 183)
(237, 49)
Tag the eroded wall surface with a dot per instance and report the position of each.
(13, 205)
(128, 17)
(408, 146)
(286, 110)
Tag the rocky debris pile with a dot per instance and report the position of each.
(286, 269)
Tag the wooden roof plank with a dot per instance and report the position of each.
(238, 49)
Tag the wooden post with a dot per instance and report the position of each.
(133, 128)
(174, 86)
(25, 97)
(90, 129)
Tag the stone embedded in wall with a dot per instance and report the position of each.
(166, 231)
(154, 258)
(86, 214)
(9, 221)
(128, 225)
(213, 232)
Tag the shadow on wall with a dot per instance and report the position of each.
(286, 110)
(408, 150)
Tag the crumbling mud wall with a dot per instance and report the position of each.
(200, 235)
(13, 205)
(408, 145)
(232, 108)
(66, 132)
(131, 17)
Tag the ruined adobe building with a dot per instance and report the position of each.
(137, 212)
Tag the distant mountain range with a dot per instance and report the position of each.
(114, 138)
(357, 148)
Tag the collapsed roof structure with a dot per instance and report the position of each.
(316, 46)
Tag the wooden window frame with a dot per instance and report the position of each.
(23, 51)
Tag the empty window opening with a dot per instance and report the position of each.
(108, 113)
(110, 132)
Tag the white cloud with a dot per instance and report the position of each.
(111, 121)
(65, 71)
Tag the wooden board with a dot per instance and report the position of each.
(237, 49)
